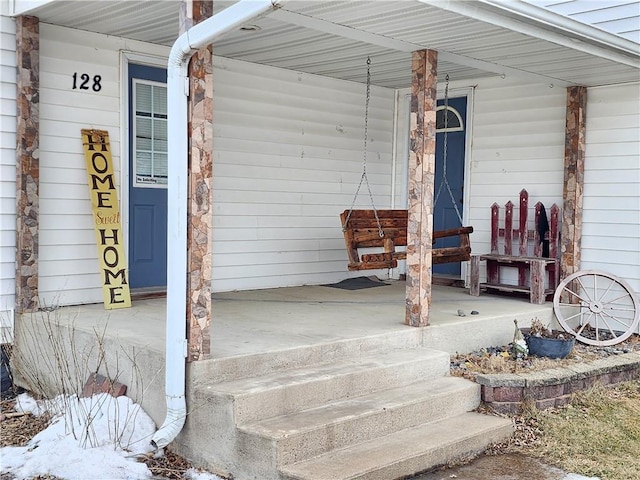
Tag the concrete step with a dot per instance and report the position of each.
(292, 390)
(305, 434)
(406, 452)
(251, 365)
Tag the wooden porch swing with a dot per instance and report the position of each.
(362, 230)
(387, 229)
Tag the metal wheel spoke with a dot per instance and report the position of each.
(624, 295)
(596, 327)
(575, 294)
(574, 316)
(604, 320)
(579, 332)
(584, 289)
(622, 309)
(607, 290)
(619, 320)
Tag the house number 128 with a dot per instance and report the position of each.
(84, 82)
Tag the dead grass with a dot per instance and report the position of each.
(598, 434)
(170, 465)
(18, 430)
(506, 364)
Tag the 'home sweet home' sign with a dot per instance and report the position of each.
(106, 216)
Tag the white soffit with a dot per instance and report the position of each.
(334, 38)
(148, 21)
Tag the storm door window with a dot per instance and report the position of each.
(150, 134)
(453, 120)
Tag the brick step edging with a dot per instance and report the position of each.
(506, 392)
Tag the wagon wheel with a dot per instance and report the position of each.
(596, 307)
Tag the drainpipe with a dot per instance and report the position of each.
(183, 49)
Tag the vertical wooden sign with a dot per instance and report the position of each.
(106, 216)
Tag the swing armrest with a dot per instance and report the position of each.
(452, 232)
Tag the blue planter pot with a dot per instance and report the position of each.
(549, 347)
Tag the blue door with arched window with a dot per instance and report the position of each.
(449, 176)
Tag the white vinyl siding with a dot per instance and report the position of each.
(287, 160)
(518, 142)
(7, 175)
(288, 153)
(611, 219)
(68, 268)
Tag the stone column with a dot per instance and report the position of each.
(422, 160)
(200, 184)
(28, 162)
(574, 156)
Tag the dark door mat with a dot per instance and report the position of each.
(357, 283)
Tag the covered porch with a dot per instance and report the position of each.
(257, 356)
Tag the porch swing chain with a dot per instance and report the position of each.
(445, 180)
(363, 177)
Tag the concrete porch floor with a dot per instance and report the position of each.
(260, 321)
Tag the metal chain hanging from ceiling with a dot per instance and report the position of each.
(363, 177)
(445, 181)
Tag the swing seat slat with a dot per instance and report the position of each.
(362, 232)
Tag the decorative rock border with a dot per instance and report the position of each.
(506, 392)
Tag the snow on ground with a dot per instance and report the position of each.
(96, 438)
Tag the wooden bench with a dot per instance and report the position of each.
(362, 232)
(532, 261)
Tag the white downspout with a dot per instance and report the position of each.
(183, 49)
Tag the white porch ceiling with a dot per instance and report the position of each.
(333, 38)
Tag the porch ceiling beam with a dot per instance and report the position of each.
(541, 24)
(294, 18)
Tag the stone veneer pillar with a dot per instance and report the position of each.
(28, 162)
(422, 157)
(574, 157)
(200, 185)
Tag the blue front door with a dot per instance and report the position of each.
(147, 176)
(445, 215)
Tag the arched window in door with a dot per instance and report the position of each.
(453, 118)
